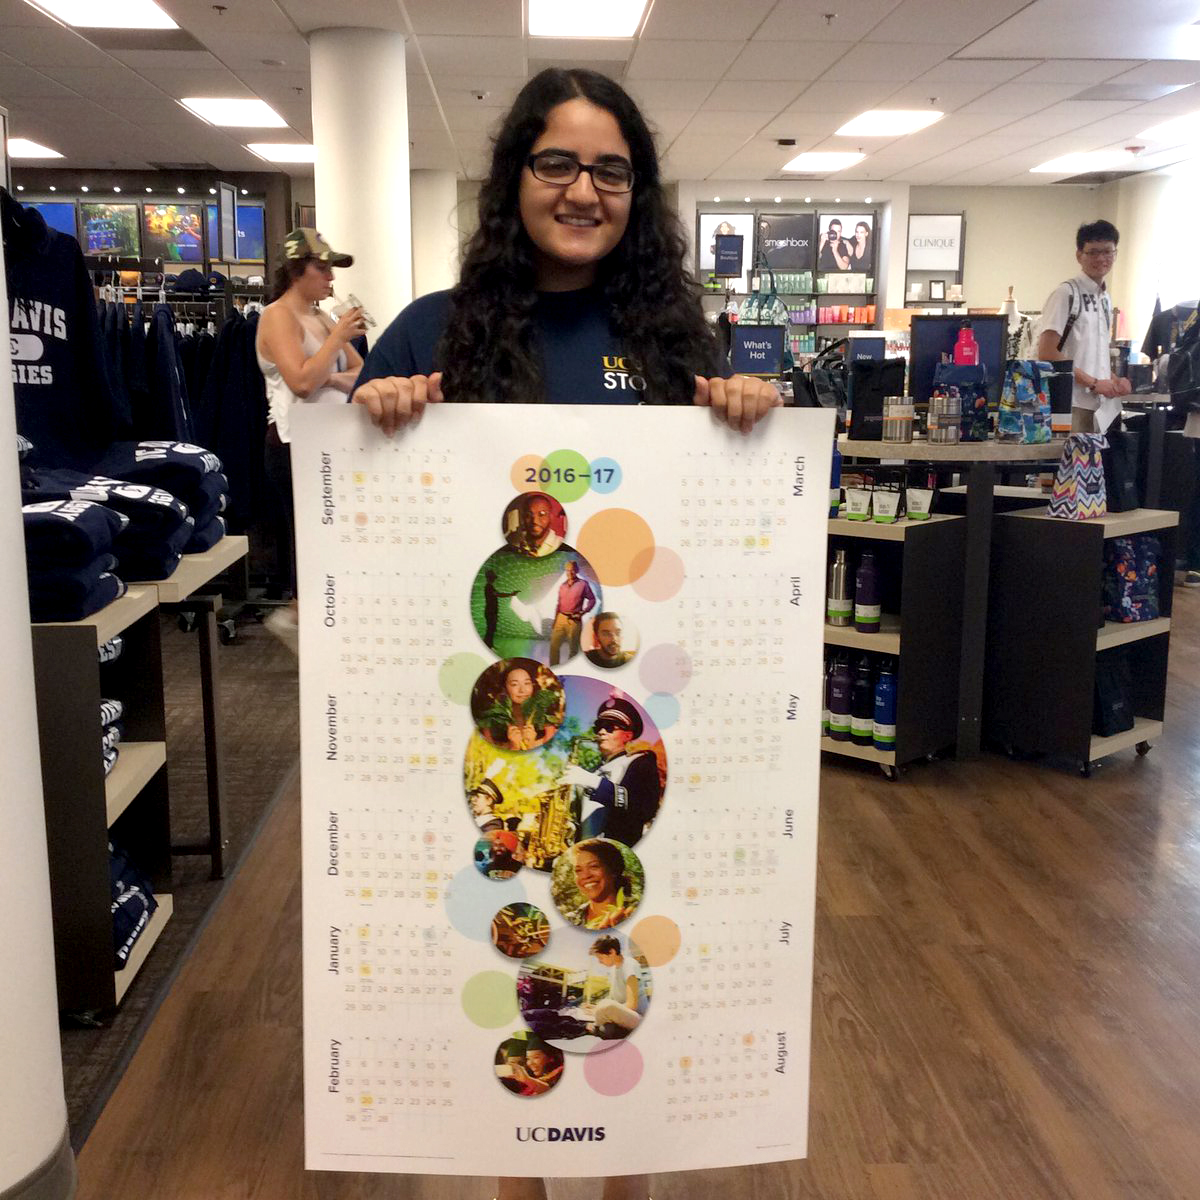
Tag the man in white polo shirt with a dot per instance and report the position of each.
(1076, 322)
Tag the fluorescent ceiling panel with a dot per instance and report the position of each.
(585, 19)
(1080, 164)
(893, 122)
(24, 148)
(823, 161)
(110, 14)
(1176, 132)
(284, 152)
(248, 114)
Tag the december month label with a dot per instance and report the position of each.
(560, 699)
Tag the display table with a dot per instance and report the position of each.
(981, 459)
(180, 593)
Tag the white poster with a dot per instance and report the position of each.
(560, 703)
(713, 223)
(935, 242)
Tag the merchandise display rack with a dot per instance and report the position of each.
(1045, 635)
(921, 628)
(83, 808)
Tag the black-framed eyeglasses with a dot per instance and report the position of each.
(562, 170)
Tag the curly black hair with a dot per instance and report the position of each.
(487, 351)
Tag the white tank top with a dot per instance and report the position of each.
(280, 397)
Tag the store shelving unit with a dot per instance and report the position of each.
(1045, 635)
(83, 808)
(921, 628)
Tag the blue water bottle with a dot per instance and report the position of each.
(835, 481)
(884, 730)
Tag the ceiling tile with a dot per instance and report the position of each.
(567, 51)
(499, 57)
(682, 60)
(875, 61)
(1162, 72)
(804, 20)
(766, 96)
(26, 83)
(484, 18)
(425, 119)
(743, 124)
(937, 21)
(250, 49)
(366, 14)
(167, 60)
(114, 80)
(1185, 100)
(995, 70)
(1065, 117)
(682, 18)
(805, 124)
(827, 97)
(200, 18)
(472, 120)
(1077, 70)
(18, 13)
(50, 45)
(1017, 99)
(670, 93)
(786, 60)
(215, 82)
(461, 89)
(921, 93)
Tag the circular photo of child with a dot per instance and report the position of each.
(527, 1066)
(534, 524)
(609, 640)
(518, 704)
(588, 993)
(520, 930)
(597, 883)
(499, 854)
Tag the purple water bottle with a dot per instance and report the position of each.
(866, 595)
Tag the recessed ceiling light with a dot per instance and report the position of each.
(112, 14)
(212, 191)
(284, 152)
(116, 189)
(866, 199)
(1175, 131)
(807, 199)
(53, 188)
(85, 188)
(583, 19)
(20, 187)
(890, 122)
(179, 190)
(245, 192)
(149, 189)
(778, 199)
(247, 114)
(745, 199)
(837, 199)
(24, 148)
(716, 199)
(823, 161)
(1078, 164)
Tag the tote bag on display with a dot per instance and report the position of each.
(1025, 403)
(1079, 493)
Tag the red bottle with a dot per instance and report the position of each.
(966, 349)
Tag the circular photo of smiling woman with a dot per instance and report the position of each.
(518, 703)
(597, 883)
(534, 524)
(527, 1066)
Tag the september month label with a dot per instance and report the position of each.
(560, 696)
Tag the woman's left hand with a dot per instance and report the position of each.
(740, 401)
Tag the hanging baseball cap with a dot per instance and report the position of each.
(308, 243)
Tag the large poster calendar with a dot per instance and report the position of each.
(560, 707)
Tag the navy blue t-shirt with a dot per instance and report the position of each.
(582, 361)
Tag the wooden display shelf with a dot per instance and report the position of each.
(1137, 520)
(1121, 633)
(113, 618)
(884, 758)
(195, 570)
(879, 531)
(1003, 491)
(922, 451)
(135, 767)
(124, 978)
(1144, 730)
(886, 641)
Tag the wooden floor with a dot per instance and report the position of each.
(1007, 1002)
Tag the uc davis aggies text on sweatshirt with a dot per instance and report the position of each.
(65, 405)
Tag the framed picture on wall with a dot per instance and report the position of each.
(111, 229)
(306, 216)
(846, 242)
(937, 289)
(786, 241)
(173, 232)
(711, 224)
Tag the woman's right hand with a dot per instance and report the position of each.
(396, 401)
(350, 325)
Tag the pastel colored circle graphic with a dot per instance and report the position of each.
(619, 545)
(524, 472)
(472, 898)
(490, 999)
(614, 1072)
(657, 573)
(606, 475)
(565, 475)
(664, 709)
(457, 676)
(658, 938)
(665, 668)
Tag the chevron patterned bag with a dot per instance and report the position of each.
(1079, 493)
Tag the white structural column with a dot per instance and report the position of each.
(434, 231)
(35, 1153)
(360, 129)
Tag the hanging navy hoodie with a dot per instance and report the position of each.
(65, 405)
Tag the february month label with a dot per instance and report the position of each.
(560, 706)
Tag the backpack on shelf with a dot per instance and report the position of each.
(1025, 403)
(1130, 580)
(1079, 493)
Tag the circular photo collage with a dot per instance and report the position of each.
(527, 1066)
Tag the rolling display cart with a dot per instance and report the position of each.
(1045, 635)
(921, 628)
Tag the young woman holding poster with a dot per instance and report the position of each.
(572, 290)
